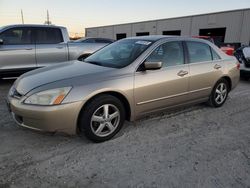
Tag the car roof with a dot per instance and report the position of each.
(32, 25)
(155, 38)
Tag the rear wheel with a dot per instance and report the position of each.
(102, 118)
(219, 94)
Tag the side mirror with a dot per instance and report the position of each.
(1, 41)
(152, 65)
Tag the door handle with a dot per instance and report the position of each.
(29, 49)
(182, 73)
(217, 66)
(59, 47)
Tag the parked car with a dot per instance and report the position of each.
(94, 40)
(27, 47)
(125, 80)
(243, 56)
(229, 50)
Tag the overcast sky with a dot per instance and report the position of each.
(79, 14)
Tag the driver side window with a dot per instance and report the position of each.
(170, 54)
(16, 36)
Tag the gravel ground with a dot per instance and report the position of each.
(194, 147)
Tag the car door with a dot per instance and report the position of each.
(205, 69)
(166, 87)
(17, 52)
(50, 47)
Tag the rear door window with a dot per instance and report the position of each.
(198, 52)
(48, 36)
(17, 36)
(215, 55)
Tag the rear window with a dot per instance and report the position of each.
(48, 36)
(199, 52)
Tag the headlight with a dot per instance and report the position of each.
(48, 97)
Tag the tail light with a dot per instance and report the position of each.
(238, 65)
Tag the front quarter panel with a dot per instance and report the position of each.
(122, 85)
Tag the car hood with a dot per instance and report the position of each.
(62, 71)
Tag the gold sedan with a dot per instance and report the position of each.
(123, 81)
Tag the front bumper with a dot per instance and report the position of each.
(60, 118)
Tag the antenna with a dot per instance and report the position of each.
(48, 22)
(22, 16)
(47, 17)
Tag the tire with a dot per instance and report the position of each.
(102, 118)
(217, 99)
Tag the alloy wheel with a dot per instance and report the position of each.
(221, 93)
(105, 120)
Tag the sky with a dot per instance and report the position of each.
(77, 15)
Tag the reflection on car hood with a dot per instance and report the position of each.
(62, 71)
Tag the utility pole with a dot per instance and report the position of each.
(22, 16)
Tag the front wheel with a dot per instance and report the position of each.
(102, 118)
(219, 94)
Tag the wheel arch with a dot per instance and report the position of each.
(228, 79)
(116, 94)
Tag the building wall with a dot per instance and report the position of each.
(183, 24)
(144, 27)
(232, 21)
(126, 28)
(236, 23)
(245, 30)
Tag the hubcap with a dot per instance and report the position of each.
(220, 93)
(105, 120)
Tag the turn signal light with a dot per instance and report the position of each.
(59, 99)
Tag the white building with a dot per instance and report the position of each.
(226, 27)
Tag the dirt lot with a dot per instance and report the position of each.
(194, 147)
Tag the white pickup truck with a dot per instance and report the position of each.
(27, 47)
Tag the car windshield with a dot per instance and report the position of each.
(119, 54)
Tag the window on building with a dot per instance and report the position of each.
(173, 32)
(120, 36)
